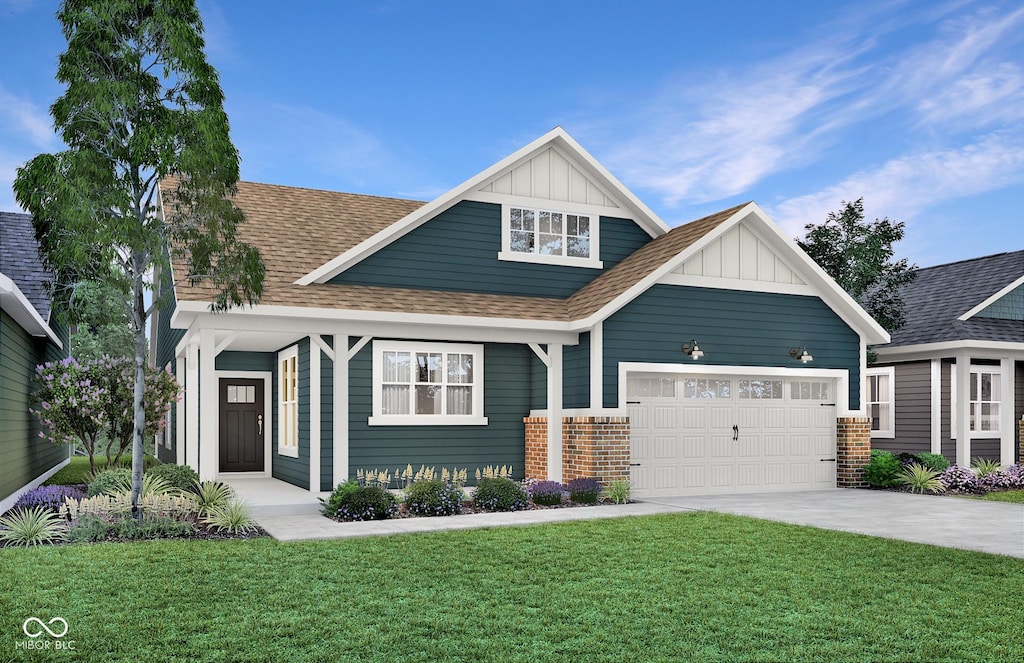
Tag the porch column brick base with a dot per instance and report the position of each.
(595, 447)
(853, 451)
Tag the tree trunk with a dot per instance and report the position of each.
(139, 329)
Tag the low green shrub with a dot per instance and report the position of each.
(150, 528)
(500, 494)
(366, 503)
(883, 470)
(109, 482)
(934, 462)
(211, 494)
(233, 517)
(920, 479)
(618, 491)
(433, 498)
(88, 529)
(181, 477)
(31, 527)
(329, 507)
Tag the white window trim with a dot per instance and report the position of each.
(509, 255)
(889, 431)
(282, 448)
(953, 418)
(380, 419)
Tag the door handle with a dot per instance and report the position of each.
(259, 420)
(735, 432)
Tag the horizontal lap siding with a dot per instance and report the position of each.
(327, 420)
(167, 339)
(576, 374)
(294, 470)
(913, 410)
(245, 361)
(1018, 412)
(733, 327)
(501, 442)
(458, 250)
(24, 456)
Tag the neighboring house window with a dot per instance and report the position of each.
(549, 236)
(986, 399)
(288, 402)
(881, 401)
(427, 384)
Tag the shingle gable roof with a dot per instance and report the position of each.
(20, 261)
(297, 228)
(941, 294)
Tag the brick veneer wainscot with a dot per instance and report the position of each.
(853, 451)
(596, 447)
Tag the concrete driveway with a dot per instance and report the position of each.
(953, 522)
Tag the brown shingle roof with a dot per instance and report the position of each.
(297, 230)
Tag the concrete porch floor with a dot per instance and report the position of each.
(273, 497)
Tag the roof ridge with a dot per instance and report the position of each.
(957, 262)
(343, 193)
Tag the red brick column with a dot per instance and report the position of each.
(853, 451)
(596, 447)
(536, 447)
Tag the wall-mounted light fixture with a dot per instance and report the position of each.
(802, 354)
(693, 350)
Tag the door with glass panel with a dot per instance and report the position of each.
(242, 425)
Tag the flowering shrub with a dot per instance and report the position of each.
(500, 494)
(363, 503)
(960, 478)
(48, 497)
(433, 498)
(548, 493)
(584, 490)
(996, 480)
(527, 484)
(117, 507)
(1016, 474)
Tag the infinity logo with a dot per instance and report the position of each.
(42, 625)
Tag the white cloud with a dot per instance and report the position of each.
(23, 117)
(905, 187)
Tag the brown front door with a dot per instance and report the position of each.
(242, 425)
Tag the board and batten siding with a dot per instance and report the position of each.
(293, 470)
(24, 456)
(458, 251)
(913, 405)
(507, 395)
(733, 327)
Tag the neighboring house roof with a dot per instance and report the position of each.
(939, 300)
(23, 293)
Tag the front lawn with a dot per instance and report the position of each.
(697, 586)
(1014, 496)
(77, 470)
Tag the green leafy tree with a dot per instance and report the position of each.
(102, 322)
(859, 256)
(141, 105)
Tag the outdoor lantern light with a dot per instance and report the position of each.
(802, 354)
(693, 350)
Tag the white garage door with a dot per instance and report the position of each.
(730, 434)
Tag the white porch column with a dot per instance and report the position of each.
(179, 414)
(963, 409)
(340, 408)
(554, 412)
(597, 366)
(191, 422)
(314, 417)
(209, 424)
(1007, 425)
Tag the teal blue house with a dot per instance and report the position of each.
(537, 315)
(30, 334)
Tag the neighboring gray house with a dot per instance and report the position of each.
(963, 313)
(29, 335)
(538, 315)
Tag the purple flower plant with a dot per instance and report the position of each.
(548, 493)
(960, 478)
(48, 497)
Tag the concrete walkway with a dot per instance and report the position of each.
(952, 522)
(289, 513)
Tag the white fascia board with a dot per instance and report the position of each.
(557, 136)
(376, 323)
(991, 300)
(977, 349)
(14, 302)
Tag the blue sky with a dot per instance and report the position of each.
(916, 106)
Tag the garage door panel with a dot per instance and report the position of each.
(774, 445)
(666, 478)
(723, 475)
(748, 446)
(799, 473)
(799, 418)
(665, 417)
(693, 447)
(638, 417)
(773, 418)
(774, 474)
(748, 474)
(823, 445)
(665, 448)
(748, 417)
(825, 417)
(693, 476)
(720, 417)
(799, 445)
(693, 418)
(722, 447)
(823, 472)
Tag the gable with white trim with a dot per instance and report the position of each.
(550, 175)
(1008, 307)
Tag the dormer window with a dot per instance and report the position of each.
(549, 236)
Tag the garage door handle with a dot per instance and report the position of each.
(634, 464)
(828, 460)
(735, 432)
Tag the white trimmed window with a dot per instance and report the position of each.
(549, 236)
(881, 401)
(288, 402)
(420, 384)
(986, 400)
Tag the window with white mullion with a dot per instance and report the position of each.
(549, 233)
(432, 382)
(880, 400)
(985, 400)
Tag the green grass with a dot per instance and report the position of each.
(1014, 496)
(697, 586)
(77, 470)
